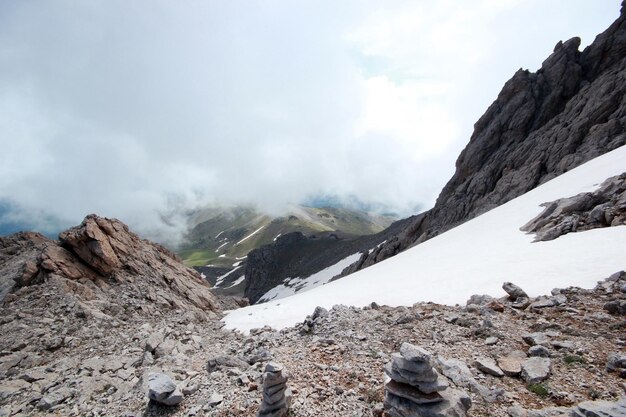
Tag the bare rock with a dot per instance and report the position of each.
(163, 390)
(514, 291)
(488, 366)
(536, 369)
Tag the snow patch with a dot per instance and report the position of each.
(221, 278)
(277, 236)
(250, 235)
(377, 246)
(237, 281)
(473, 258)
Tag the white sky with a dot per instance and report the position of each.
(135, 109)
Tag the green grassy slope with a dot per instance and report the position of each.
(224, 236)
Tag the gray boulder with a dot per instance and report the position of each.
(163, 390)
(536, 369)
(514, 291)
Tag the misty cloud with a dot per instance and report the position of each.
(138, 110)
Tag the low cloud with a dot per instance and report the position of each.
(141, 110)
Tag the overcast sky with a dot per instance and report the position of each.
(134, 109)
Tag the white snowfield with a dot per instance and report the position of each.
(473, 258)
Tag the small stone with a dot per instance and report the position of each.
(153, 341)
(163, 390)
(488, 366)
(274, 366)
(533, 339)
(615, 362)
(536, 369)
(511, 365)
(539, 350)
(411, 393)
(415, 353)
(491, 341)
(479, 299)
(215, 399)
(514, 291)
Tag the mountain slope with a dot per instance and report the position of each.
(541, 125)
(222, 236)
(473, 258)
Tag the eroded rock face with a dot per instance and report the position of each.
(541, 125)
(603, 207)
(105, 267)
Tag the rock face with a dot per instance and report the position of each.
(106, 268)
(417, 389)
(297, 255)
(541, 125)
(276, 395)
(603, 207)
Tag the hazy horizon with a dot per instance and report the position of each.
(141, 110)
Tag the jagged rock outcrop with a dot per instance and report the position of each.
(541, 125)
(603, 207)
(105, 268)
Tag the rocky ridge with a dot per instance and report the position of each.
(541, 125)
(492, 348)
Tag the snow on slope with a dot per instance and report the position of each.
(293, 286)
(473, 258)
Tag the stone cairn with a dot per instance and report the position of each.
(417, 390)
(276, 395)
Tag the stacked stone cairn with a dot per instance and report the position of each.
(276, 395)
(416, 389)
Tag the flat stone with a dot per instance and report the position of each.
(563, 344)
(511, 365)
(95, 364)
(53, 398)
(488, 366)
(415, 353)
(411, 393)
(153, 341)
(455, 404)
(415, 367)
(225, 361)
(539, 350)
(538, 338)
(271, 379)
(215, 399)
(536, 369)
(490, 341)
(273, 367)
(601, 408)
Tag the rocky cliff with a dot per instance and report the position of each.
(541, 125)
(104, 269)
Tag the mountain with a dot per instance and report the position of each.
(477, 256)
(221, 236)
(541, 125)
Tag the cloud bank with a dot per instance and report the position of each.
(140, 110)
